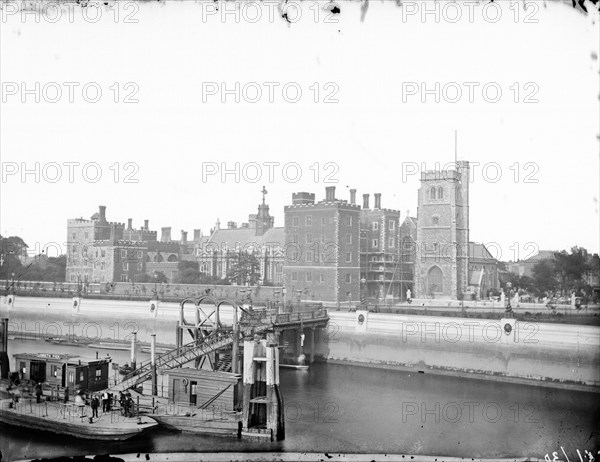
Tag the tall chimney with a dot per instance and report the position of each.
(330, 194)
(183, 237)
(365, 201)
(102, 212)
(129, 223)
(353, 196)
(166, 234)
(197, 234)
(377, 200)
(146, 225)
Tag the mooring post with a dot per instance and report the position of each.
(311, 356)
(133, 341)
(4, 361)
(153, 362)
(235, 350)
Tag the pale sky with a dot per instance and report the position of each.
(375, 69)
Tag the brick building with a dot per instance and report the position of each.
(322, 248)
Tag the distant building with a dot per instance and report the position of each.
(219, 253)
(525, 267)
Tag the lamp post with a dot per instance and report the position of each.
(508, 309)
(363, 282)
(155, 277)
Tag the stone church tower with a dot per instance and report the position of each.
(442, 259)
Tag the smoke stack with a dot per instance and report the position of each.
(365, 201)
(102, 209)
(166, 234)
(197, 234)
(353, 196)
(129, 223)
(377, 200)
(183, 237)
(146, 225)
(330, 194)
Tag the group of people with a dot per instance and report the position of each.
(126, 404)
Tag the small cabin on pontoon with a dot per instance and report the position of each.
(203, 388)
(74, 372)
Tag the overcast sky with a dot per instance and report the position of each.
(369, 126)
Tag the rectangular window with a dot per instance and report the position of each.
(71, 377)
(295, 238)
(309, 277)
(323, 238)
(125, 266)
(139, 254)
(23, 367)
(323, 221)
(294, 276)
(375, 226)
(392, 225)
(295, 221)
(391, 242)
(321, 278)
(348, 238)
(102, 265)
(348, 278)
(349, 221)
(375, 243)
(309, 238)
(309, 256)
(54, 370)
(98, 373)
(348, 257)
(123, 278)
(123, 253)
(308, 220)
(74, 236)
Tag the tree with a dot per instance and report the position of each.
(245, 270)
(570, 269)
(543, 277)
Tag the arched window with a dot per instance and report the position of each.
(432, 193)
(435, 220)
(435, 280)
(440, 193)
(160, 258)
(172, 258)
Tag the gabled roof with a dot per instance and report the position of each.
(246, 238)
(541, 255)
(479, 251)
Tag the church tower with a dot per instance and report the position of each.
(261, 221)
(442, 261)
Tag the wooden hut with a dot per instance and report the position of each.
(204, 388)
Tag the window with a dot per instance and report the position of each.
(432, 193)
(349, 221)
(375, 243)
(54, 370)
(348, 238)
(348, 278)
(294, 276)
(309, 238)
(74, 249)
(123, 253)
(123, 278)
(391, 242)
(375, 226)
(294, 221)
(436, 220)
(321, 278)
(139, 254)
(440, 193)
(71, 377)
(102, 265)
(323, 221)
(86, 235)
(309, 256)
(391, 225)
(308, 276)
(323, 238)
(98, 373)
(295, 238)
(74, 236)
(23, 367)
(435, 246)
(125, 266)
(81, 376)
(103, 253)
(348, 257)
(308, 220)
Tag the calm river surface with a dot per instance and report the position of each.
(343, 408)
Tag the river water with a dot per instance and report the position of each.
(345, 408)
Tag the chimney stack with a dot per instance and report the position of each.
(353, 196)
(146, 225)
(102, 212)
(330, 194)
(231, 225)
(183, 237)
(166, 234)
(366, 201)
(377, 200)
(129, 223)
(197, 234)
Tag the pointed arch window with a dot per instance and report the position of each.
(432, 193)
(440, 194)
(435, 281)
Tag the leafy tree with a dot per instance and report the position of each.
(570, 269)
(245, 270)
(543, 277)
